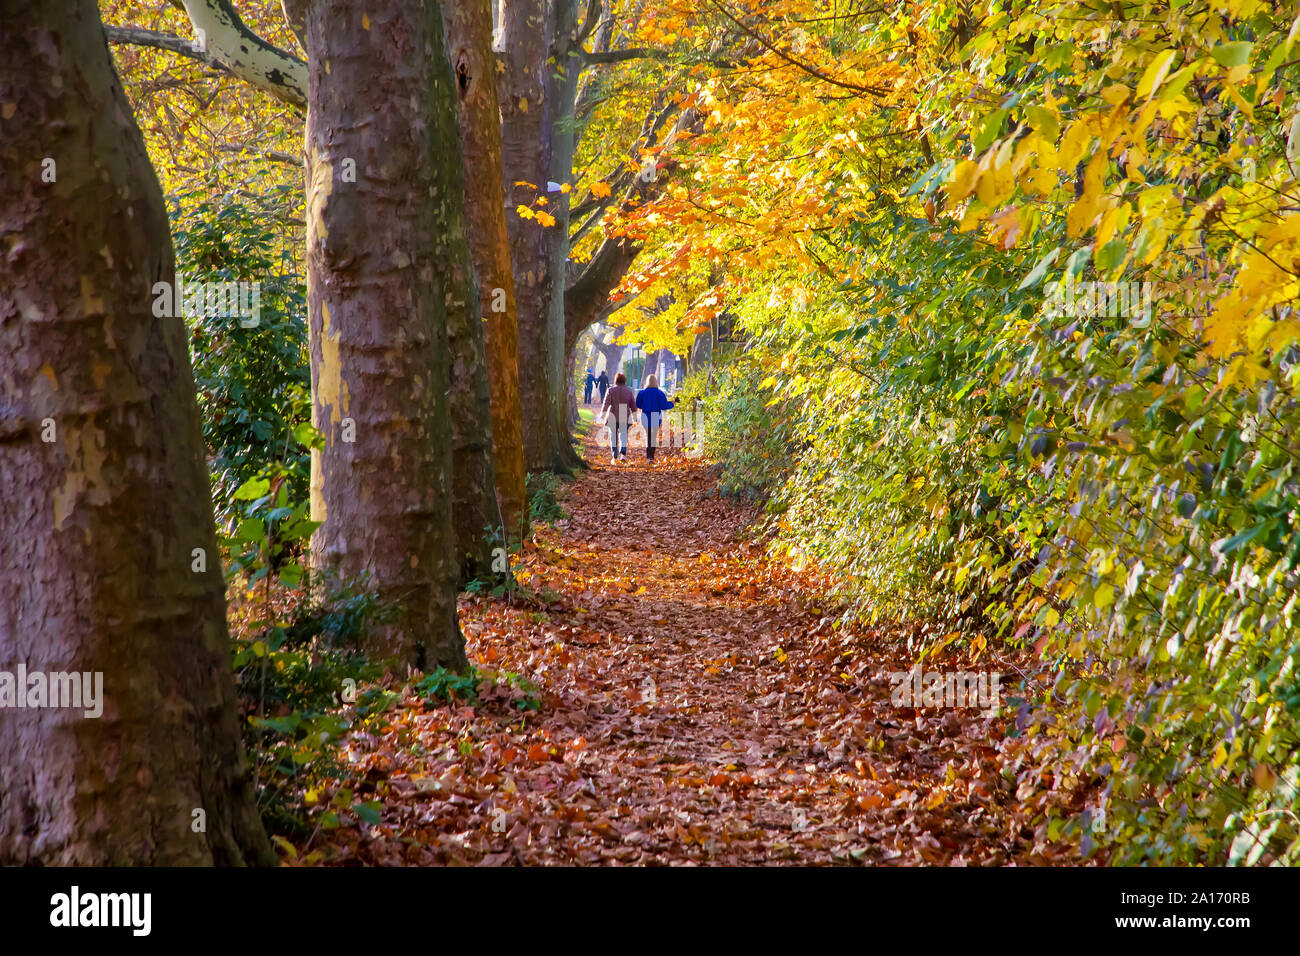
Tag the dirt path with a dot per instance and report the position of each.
(697, 706)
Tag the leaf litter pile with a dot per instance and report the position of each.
(695, 703)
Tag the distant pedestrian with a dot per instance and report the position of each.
(652, 403)
(591, 383)
(602, 383)
(617, 410)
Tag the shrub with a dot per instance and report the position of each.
(254, 384)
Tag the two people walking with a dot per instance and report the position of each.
(622, 403)
(602, 384)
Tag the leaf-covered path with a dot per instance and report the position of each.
(698, 705)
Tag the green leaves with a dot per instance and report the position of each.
(1043, 121)
(1228, 545)
(1039, 271)
(254, 384)
(253, 488)
(1229, 55)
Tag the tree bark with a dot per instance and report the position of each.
(106, 532)
(565, 72)
(658, 364)
(475, 509)
(700, 350)
(613, 353)
(526, 158)
(384, 234)
(469, 40)
(596, 341)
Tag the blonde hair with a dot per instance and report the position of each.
(652, 382)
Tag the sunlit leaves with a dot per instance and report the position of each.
(1118, 476)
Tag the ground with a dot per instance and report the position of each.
(699, 704)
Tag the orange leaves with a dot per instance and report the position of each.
(600, 190)
(738, 760)
(1006, 228)
(540, 753)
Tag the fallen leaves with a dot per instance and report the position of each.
(699, 705)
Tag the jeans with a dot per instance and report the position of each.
(651, 423)
(617, 437)
(586, 399)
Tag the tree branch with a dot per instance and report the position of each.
(226, 38)
(586, 299)
(224, 42)
(182, 46)
(811, 71)
(618, 56)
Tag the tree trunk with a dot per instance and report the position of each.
(106, 532)
(701, 350)
(383, 234)
(655, 366)
(469, 40)
(562, 95)
(613, 353)
(594, 350)
(475, 510)
(526, 158)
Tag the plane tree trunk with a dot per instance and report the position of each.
(469, 42)
(526, 158)
(385, 238)
(106, 532)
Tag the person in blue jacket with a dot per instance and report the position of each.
(651, 402)
(591, 383)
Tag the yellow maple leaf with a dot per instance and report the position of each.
(524, 212)
(546, 219)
